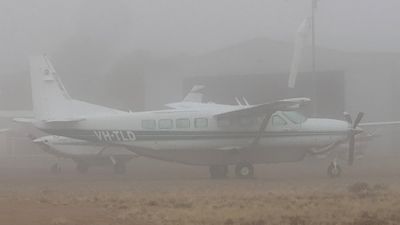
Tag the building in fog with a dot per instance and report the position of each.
(259, 68)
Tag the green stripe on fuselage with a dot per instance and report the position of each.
(90, 135)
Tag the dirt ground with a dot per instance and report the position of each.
(154, 192)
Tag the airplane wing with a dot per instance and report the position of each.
(264, 109)
(379, 124)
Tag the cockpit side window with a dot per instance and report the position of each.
(278, 121)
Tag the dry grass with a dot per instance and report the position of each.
(289, 197)
(360, 204)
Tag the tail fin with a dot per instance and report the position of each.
(49, 97)
(51, 101)
(194, 95)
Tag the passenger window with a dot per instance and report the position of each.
(201, 122)
(165, 124)
(278, 121)
(182, 123)
(149, 124)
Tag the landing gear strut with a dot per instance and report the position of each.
(334, 170)
(244, 170)
(218, 171)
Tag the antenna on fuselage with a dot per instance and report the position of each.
(245, 101)
(238, 102)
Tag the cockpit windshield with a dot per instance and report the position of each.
(295, 117)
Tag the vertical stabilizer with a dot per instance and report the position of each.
(49, 97)
(195, 94)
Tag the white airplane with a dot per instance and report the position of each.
(211, 135)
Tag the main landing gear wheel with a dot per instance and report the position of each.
(334, 170)
(82, 168)
(218, 171)
(244, 170)
(55, 168)
(119, 168)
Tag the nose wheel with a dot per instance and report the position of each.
(334, 170)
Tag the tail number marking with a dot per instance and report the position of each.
(115, 135)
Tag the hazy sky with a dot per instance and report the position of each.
(191, 26)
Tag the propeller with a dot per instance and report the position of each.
(353, 132)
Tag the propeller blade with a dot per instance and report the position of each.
(358, 119)
(351, 150)
(353, 133)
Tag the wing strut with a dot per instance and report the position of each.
(260, 132)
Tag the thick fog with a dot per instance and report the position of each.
(106, 50)
(138, 55)
(174, 27)
(90, 40)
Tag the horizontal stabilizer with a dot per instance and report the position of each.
(25, 120)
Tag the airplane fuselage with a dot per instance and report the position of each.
(197, 137)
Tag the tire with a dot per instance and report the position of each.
(334, 171)
(218, 171)
(119, 168)
(244, 170)
(82, 168)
